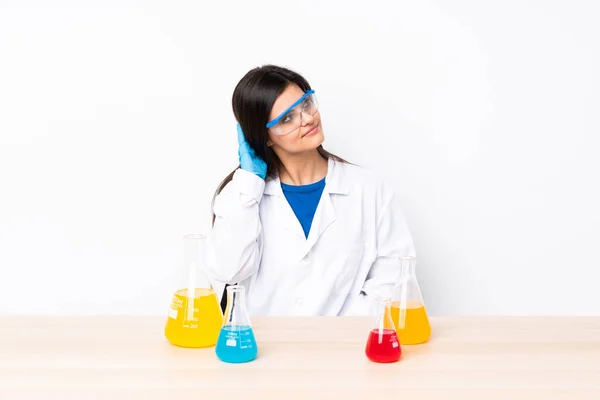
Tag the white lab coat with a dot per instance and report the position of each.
(347, 260)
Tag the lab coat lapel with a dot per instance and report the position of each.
(324, 217)
(283, 211)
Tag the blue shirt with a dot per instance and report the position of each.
(304, 200)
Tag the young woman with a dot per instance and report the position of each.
(304, 231)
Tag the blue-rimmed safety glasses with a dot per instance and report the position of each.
(291, 119)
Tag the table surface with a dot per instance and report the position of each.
(301, 357)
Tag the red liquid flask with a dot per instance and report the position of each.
(383, 345)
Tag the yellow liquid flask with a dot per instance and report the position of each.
(195, 317)
(408, 309)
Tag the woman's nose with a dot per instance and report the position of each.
(307, 118)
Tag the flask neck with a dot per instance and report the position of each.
(236, 296)
(193, 272)
(194, 248)
(236, 313)
(384, 314)
(407, 267)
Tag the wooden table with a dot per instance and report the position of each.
(308, 358)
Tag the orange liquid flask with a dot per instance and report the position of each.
(382, 344)
(195, 316)
(408, 309)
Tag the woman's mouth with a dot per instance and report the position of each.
(312, 131)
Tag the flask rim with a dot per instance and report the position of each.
(384, 300)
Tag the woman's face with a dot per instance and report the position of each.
(309, 134)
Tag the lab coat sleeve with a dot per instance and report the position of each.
(393, 240)
(235, 240)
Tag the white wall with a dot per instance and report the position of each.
(116, 127)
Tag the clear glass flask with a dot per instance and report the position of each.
(195, 316)
(383, 345)
(408, 309)
(236, 343)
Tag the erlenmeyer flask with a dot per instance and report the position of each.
(408, 309)
(195, 316)
(236, 343)
(383, 345)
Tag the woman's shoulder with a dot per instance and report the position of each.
(359, 178)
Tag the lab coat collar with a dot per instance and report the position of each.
(334, 181)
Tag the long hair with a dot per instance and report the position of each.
(252, 101)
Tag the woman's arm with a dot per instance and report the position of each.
(235, 241)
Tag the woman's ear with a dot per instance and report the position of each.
(269, 143)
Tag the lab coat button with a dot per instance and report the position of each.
(299, 301)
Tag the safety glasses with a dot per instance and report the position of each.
(291, 119)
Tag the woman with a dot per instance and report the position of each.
(306, 232)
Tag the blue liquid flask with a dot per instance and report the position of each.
(236, 342)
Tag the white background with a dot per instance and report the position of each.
(116, 127)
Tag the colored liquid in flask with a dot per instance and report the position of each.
(383, 346)
(203, 329)
(236, 344)
(416, 325)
